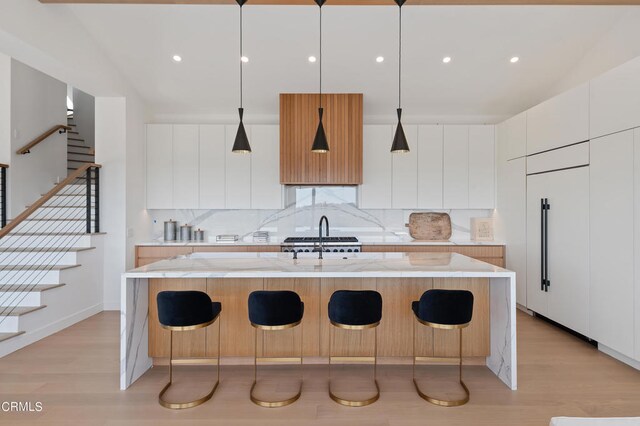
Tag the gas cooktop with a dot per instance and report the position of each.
(327, 240)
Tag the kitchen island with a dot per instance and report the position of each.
(399, 277)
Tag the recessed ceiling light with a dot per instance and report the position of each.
(177, 58)
(244, 59)
(514, 59)
(312, 58)
(446, 59)
(380, 59)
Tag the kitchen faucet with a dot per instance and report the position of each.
(320, 248)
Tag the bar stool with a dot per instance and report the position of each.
(446, 310)
(183, 311)
(270, 311)
(356, 310)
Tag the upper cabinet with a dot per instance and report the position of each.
(514, 132)
(192, 167)
(375, 191)
(482, 167)
(430, 166)
(404, 193)
(456, 167)
(159, 166)
(560, 121)
(615, 100)
(342, 120)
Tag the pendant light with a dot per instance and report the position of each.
(320, 144)
(400, 144)
(241, 143)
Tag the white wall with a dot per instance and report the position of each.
(84, 107)
(38, 102)
(53, 40)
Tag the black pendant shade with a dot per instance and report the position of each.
(320, 144)
(241, 144)
(399, 140)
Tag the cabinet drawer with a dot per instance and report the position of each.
(163, 252)
(219, 249)
(571, 156)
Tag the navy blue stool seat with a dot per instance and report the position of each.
(268, 309)
(272, 311)
(182, 311)
(356, 310)
(448, 310)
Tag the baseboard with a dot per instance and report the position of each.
(112, 305)
(33, 336)
(620, 357)
(524, 309)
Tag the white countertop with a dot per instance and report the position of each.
(334, 265)
(389, 240)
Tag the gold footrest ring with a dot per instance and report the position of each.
(444, 402)
(182, 405)
(352, 403)
(274, 404)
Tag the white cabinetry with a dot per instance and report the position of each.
(615, 100)
(238, 172)
(404, 184)
(212, 166)
(375, 191)
(566, 299)
(159, 166)
(512, 216)
(481, 167)
(456, 167)
(186, 179)
(430, 166)
(611, 312)
(636, 242)
(560, 121)
(192, 167)
(515, 134)
(266, 191)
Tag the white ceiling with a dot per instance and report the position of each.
(278, 39)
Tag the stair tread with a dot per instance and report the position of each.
(16, 311)
(6, 336)
(78, 146)
(76, 139)
(43, 249)
(30, 288)
(13, 268)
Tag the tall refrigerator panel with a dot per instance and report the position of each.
(558, 246)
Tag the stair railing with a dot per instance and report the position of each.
(3, 195)
(60, 128)
(45, 232)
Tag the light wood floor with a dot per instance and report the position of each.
(74, 374)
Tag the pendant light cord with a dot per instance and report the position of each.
(400, 60)
(241, 56)
(320, 56)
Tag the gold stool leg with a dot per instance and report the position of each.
(274, 404)
(436, 401)
(188, 404)
(357, 403)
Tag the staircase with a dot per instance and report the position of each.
(51, 262)
(78, 153)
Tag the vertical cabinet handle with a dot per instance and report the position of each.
(547, 206)
(542, 244)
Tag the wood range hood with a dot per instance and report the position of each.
(342, 165)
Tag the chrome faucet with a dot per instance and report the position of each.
(320, 247)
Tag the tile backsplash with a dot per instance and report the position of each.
(344, 219)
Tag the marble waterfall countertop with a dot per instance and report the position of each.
(334, 265)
